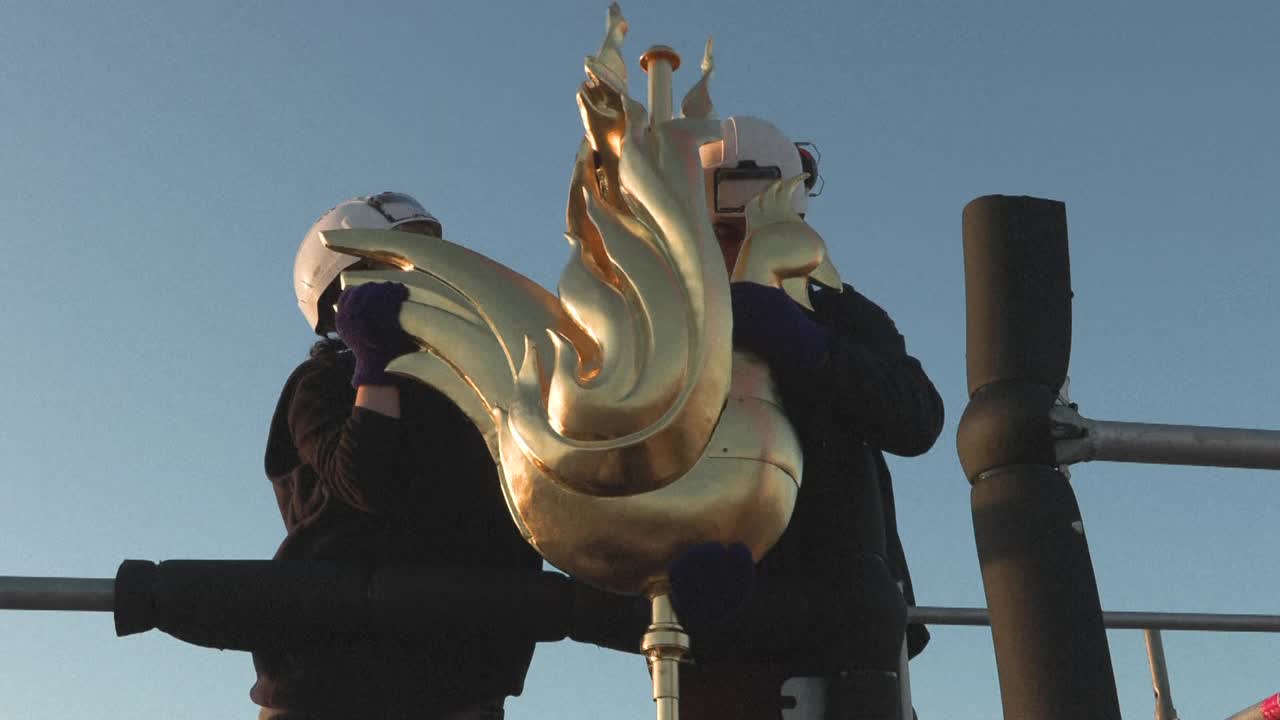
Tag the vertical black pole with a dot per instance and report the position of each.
(1046, 620)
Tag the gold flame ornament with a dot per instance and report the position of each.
(624, 425)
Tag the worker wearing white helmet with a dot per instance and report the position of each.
(852, 391)
(752, 155)
(316, 267)
(372, 471)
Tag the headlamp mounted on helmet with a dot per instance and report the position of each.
(735, 186)
(400, 209)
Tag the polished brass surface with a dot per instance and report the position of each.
(780, 249)
(624, 426)
(664, 52)
(659, 62)
(697, 102)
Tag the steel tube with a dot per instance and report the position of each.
(57, 593)
(1159, 675)
(659, 62)
(1172, 445)
(978, 617)
(97, 595)
(664, 645)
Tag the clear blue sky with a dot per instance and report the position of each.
(159, 163)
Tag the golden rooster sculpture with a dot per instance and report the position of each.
(624, 426)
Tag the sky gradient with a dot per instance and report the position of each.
(159, 163)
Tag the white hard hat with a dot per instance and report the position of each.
(752, 155)
(316, 267)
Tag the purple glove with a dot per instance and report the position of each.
(710, 582)
(368, 321)
(769, 323)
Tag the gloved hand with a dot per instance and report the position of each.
(710, 582)
(368, 321)
(769, 323)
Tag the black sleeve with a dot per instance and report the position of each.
(875, 390)
(357, 454)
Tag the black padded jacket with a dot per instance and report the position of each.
(357, 487)
(869, 397)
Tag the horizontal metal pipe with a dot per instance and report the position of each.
(1165, 444)
(1114, 620)
(97, 595)
(55, 593)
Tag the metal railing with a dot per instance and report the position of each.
(1214, 622)
(1150, 623)
(99, 595)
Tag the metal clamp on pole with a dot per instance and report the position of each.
(1046, 619)
(665, 644)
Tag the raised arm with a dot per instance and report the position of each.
(846, 355)
(876, 389)
(340, 414)
(356, 452)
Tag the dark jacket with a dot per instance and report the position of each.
(867, 399)
(870, 397)
(357, 487)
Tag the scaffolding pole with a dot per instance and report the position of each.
(57, 593)
(1082, 439)
(1112, 620)
(1159, 676)
(1051, 648)
(97, 595)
